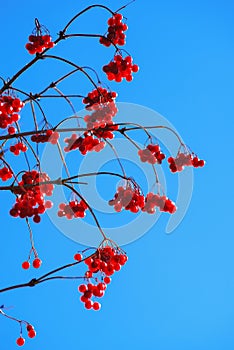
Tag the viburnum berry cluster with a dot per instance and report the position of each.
(31, 192)
(101, 115)
(97, 97)
(74, 209)
(5, 174)
(116, 29)
(151, 154)
(36, 264)
(84, 144)
(162, 202)
(31, 334)
(120, 68)
(104, 263)
(49, 136)
(9, 112)
(129, 198)
(177, 164)
(18, 147)
(38, 43)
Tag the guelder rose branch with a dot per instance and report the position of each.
(31, 187)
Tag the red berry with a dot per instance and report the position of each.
(78, 257)
(96, 306)
(29, 327)
(31, 333)
(37, 263)
(20, 341)
(107, 280)
(88, 304)
(25, 265)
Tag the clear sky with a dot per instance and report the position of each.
(176, 291)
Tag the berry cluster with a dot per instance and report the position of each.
(97, 97)
(84, 144)
(106, 132)
(49, 136)
(182, 160)
(31, 334)
(9, 109)
(120, 68)
(152, 154)
(101, 115)
(106, 261)
(30, 201)
(116, 31)
(5, 174)
(128, 198)
(18, 147)
(38, 43)
(73, 209)
(36, 264)
(162, 202)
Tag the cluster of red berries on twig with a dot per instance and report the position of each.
(18, 147)
(30, 200)
(120, 68)
(106, 261)
(85, 144)
(162, 202)
(97, 97)
(151, 154)
(116, 31)
(9, 109)
(36, 264)
(105, 132)
(74, 209)
(181, 160)
(38, 43)
(101, 115)
(5, 173)
(31, 334)
(128, 198)
(49, 136)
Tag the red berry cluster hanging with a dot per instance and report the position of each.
(101, 115)
(30, 200)
(38, 43)
(177, 164)
(98, 96)
(73, 209)
(36, 264)
(5, 174)
(162, 202)
(106, 261)
(84, 144)
(49, 136)
(106, 132)
(9, 109)
(128, 198)
(151, 154)
(18, 147)
(116, 31)
(120, 68)
(31, 334)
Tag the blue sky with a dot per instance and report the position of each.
(176, 291)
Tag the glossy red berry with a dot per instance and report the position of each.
(78, 257)
(96, 306)
(37, 263)
(29, 327)
(107, 280)
(25, 265)
(31, 333)
(20, 341)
